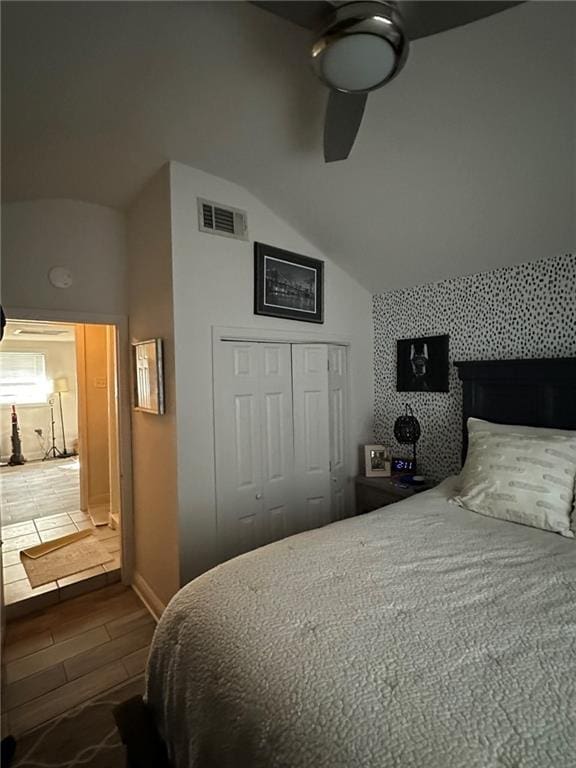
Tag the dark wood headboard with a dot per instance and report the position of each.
(535, 393)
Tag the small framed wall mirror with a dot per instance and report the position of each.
(148, 376)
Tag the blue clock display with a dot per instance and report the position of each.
(403, 466)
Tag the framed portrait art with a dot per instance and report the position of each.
(288, 285)
(148, 376)
(422, 364)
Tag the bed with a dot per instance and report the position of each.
(419, 635)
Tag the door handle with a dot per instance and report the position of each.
(258, 495)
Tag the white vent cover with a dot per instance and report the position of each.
(222, 220)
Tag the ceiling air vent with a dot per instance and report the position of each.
(222, 220)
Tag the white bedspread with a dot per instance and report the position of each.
(418, 636)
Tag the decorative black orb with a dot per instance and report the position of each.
(407, 428)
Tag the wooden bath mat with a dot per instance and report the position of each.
(62, 557)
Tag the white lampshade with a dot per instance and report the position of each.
(61, 384)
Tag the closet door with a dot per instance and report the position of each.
(311, 434)
(254, 445)
(238, 448)
(277, 439)
(338, 401)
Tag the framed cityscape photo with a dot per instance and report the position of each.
(288, 285)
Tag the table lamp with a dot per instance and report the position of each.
(407, 429)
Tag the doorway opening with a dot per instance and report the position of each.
(59, 461)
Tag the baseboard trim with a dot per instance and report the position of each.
(147, 595)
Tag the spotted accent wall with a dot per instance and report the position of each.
(517, 312)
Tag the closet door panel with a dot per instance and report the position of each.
(280, 524)
(277, 440)
(317, 511)
(274, 436)
(311, 433)
(245, 441)
(238, 447)
(338, 400)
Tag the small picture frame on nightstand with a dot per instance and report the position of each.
(377, 461)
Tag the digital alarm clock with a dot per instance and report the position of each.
(403, 466)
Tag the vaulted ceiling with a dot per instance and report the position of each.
(465, 162)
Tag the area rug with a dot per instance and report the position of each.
(63, 557)
(85, 736)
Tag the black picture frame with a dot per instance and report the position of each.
(288, 285)
(422, 364)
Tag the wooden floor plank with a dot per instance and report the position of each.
(24, 646)
(135, 663)
(118, 606)
(35, 686)
(55, 654)
(53, 617)
(102, 655)
(129, 622)
(70, 695)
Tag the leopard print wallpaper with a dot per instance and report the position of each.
(523, 311)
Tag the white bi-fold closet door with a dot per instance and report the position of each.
(280, 424)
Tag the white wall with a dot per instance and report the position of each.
(213, 286)
(60, 361)
(154, 437)
(88, 239)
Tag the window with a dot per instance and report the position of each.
(23, 378)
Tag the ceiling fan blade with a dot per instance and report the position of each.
(311, 15)
(343, 117)
(428, 17)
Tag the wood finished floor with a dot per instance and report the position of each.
(66, 654)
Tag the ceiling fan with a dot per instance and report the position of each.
(360, 46)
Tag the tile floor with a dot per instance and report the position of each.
(40, 502)
(39, 489)
(17, 536)
(66, 654)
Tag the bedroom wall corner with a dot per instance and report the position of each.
(150, 303)
(213, 286)
(523, 311)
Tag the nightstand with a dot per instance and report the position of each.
(375, 492)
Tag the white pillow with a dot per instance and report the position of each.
(479, 425)
(522, 477)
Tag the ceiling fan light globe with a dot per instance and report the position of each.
(361, 48)
(358, 63)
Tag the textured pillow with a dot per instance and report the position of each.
(523, 478)
(479, 425)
